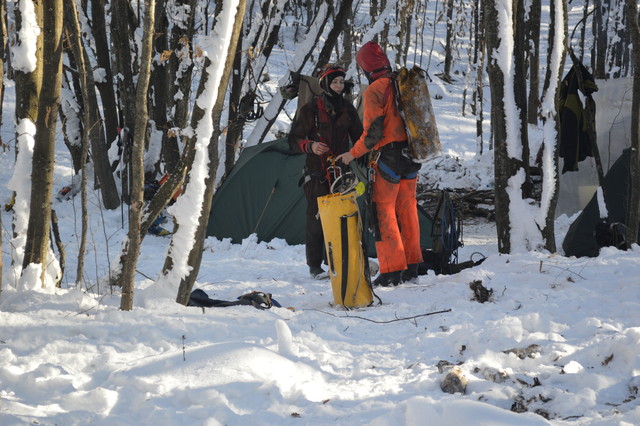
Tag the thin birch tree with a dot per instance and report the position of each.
(551, 128)
(185, 241)
(90, 128)
(195, 254)
(133, 240)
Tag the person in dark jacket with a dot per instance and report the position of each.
(323, 128)
(394, 188)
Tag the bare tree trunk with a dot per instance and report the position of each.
(179, 75)
(94, 125)
(28, 81)
(633, 214)
(265, 38)
(69, 111)
(195, 255)
(448, 54)
(471, 56)
(340, 23)
(618, 40)
(373, 13)
(235, 121)
(551, 184)
(599, 50)
(348, 42)
(73, 25)
(583, 28)
(37, 246)
(137, 160)
(533, 36)
(405, 31)
(1, 244)
(502, 163)
(520, 91)
(160, 79)
(385, 28)
(479, 61)
(104, 179)
(105, 87)
(3, 54)
(62, 254)
(121, 34)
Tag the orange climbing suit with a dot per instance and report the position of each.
(395, 203)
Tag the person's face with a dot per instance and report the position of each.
(337, 84)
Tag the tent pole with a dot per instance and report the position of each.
(273, 190)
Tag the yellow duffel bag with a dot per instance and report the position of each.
(348, 265)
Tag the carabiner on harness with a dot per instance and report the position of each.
(374, 156)
(340, 181)
(334, 172)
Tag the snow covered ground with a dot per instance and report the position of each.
(559, 337)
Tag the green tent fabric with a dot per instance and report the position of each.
(261, 195)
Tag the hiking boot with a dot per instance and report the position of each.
(318, 273)
(410, 275)
(387, 279)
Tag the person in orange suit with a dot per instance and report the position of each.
(394, 189)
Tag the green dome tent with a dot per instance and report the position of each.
(261, 195)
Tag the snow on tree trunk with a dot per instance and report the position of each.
(38, 251)
(26, 130)
(522, 229)
(216, 49)
(549, 109)
(195, 256)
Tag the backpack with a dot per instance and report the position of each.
(414, 102)
(257, 299)
(446, 231)
(446, 237)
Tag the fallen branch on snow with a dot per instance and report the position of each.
(383, 322)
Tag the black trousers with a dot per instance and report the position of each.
(314, 237)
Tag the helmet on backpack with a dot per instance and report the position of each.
(373, 61)
(327, 73)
